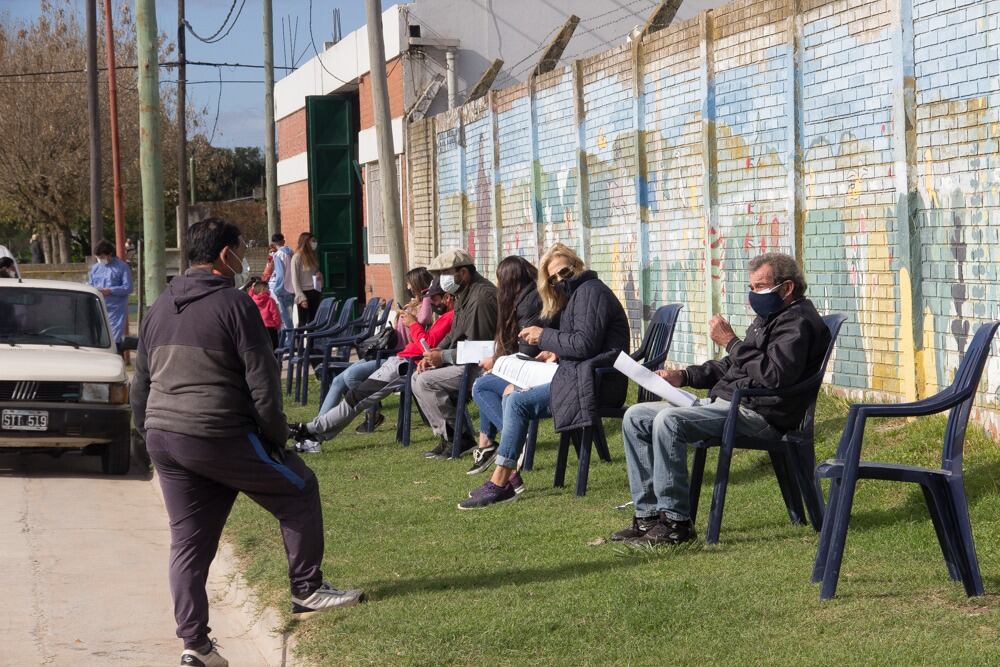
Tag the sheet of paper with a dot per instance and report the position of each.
(474, 351)
(524, 373)
(650, 381)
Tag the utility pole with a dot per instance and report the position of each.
(150, 165)
(96, 220)
(116, 169)
(270, 159)
(386, 153)
(182, 200)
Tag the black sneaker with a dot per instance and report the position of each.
(298, 431)
(439, 451)
(666, 531)
(639, 527)
(482, 457)
(363, 426)
(211, 658)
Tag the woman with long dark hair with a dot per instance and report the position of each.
(419, 309)
(306, 278)
(518, 306)
(593, 328)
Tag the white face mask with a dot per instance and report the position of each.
(313, 244)
(449, 285)
(104, 260)
(241, 276)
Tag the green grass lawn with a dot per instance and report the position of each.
(521, 583)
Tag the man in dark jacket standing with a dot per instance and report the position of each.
(206, 395)
(784, 344)
(435, 386)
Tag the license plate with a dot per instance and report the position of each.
(24, 420)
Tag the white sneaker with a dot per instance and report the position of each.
(192, 658)
(309, 447)
(325, 598)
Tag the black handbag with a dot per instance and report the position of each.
(386, 340)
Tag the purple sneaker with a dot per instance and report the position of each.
(488, 494)
(516, 481)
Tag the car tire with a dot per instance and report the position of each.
(116, 456)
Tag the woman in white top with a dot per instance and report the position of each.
(306, 278)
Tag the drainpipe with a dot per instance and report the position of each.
(449, 55)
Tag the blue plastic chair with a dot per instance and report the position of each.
(943, 488)
(463, 422)
(332, 353)
(325, 313)
(652, 353)
(334, 322)
(793, 456)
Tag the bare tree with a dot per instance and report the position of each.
(44, 180)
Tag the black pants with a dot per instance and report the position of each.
(273, 334)
(306, 315)
(201, 478)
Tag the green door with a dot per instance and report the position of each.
(334, 215)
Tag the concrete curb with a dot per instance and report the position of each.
(259, 625)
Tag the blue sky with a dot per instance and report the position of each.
(241, 112)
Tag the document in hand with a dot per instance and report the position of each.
(524, 372)
(474, 351)
(650, 381)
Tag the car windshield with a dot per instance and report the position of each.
(51, 317)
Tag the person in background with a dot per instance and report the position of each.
(784, 344)
(387, 378)
(257, 289)
(113, 278)
(37, 254)
(435, 386)
(305, 276)
(593, 329)
(518, 306)
(279, 282)
(7, 268)
(206, 396)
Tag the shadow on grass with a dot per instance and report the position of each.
(626, 557)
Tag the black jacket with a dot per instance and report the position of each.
(593, 329)
(529, 314)
(779, 351)
(205, 365)
(475, 316)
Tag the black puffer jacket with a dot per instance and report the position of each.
(779, 351)
(593, 329)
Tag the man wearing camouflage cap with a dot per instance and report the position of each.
(435, 386)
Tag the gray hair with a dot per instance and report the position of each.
(785, 268)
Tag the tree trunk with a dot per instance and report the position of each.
(63, 242)
(48, 246)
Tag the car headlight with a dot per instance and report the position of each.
(95, 393)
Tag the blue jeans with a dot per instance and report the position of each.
(285, 303)
(656, 439)
(348, 379)
(519, 409)
(487, 392)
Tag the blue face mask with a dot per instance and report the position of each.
(767, 302)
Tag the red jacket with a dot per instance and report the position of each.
(438, 331)
(268, 309)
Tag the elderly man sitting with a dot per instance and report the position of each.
(783, 345)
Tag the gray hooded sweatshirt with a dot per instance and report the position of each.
(205, 367)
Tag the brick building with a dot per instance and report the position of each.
(424, 40)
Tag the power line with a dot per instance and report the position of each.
(216, 36)
(312, 40)
(202, 63)
(218, 106)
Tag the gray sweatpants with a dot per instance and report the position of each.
(201, 478)
(386, 379)
(436, 391)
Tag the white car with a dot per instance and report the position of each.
(63, 384)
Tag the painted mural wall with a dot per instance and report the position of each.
(861, 136)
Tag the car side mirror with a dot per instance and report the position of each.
(128, 344)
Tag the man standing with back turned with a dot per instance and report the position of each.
(206, 395)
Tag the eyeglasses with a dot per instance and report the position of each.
(564, 273)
